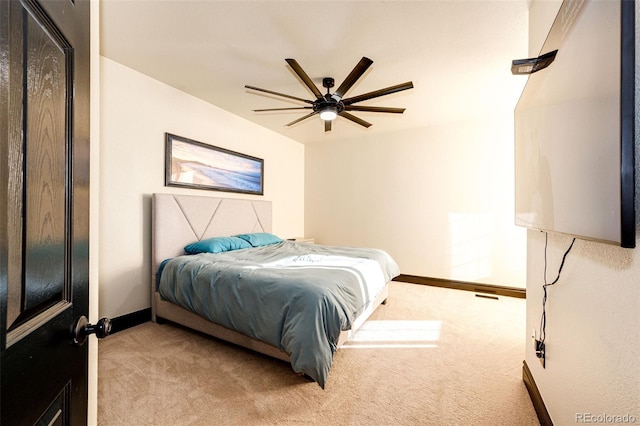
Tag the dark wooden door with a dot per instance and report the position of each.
(44, 209)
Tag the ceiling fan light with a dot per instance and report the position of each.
(328, 114)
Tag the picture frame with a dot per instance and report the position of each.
(193, 164)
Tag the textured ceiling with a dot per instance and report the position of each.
(457, 53)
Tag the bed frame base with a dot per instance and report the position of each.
(174, 313)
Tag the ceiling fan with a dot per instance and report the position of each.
(331, 105)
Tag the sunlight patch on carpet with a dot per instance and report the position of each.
(396, 334)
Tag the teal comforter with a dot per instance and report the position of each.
(294, 296)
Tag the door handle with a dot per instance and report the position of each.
(82, 329)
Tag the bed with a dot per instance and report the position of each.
(294, 301)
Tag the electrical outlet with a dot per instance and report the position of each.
(540, 351)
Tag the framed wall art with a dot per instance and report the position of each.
(193, 164)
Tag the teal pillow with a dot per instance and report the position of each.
(216, 245)
(260, 239)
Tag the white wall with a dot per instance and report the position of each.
(439, 199)
(593, 328)
(136, 111)
(593, 312)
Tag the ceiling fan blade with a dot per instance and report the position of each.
(327, 125)
(305, 78)
(354, 119)
(278, 94)
(377, 93)
(355, 74)
(302, 118)
(280, 109)
(372, 109)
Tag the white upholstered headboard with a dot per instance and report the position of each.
(178, 220)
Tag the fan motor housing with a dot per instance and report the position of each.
(319, 105)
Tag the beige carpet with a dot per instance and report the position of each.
(431, 356)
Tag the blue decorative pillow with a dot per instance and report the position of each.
(216, 245)
(260, 239)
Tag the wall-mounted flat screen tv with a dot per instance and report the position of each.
(574, 127)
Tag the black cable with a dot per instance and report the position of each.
(543, 320)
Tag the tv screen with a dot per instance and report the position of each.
(574, 126)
